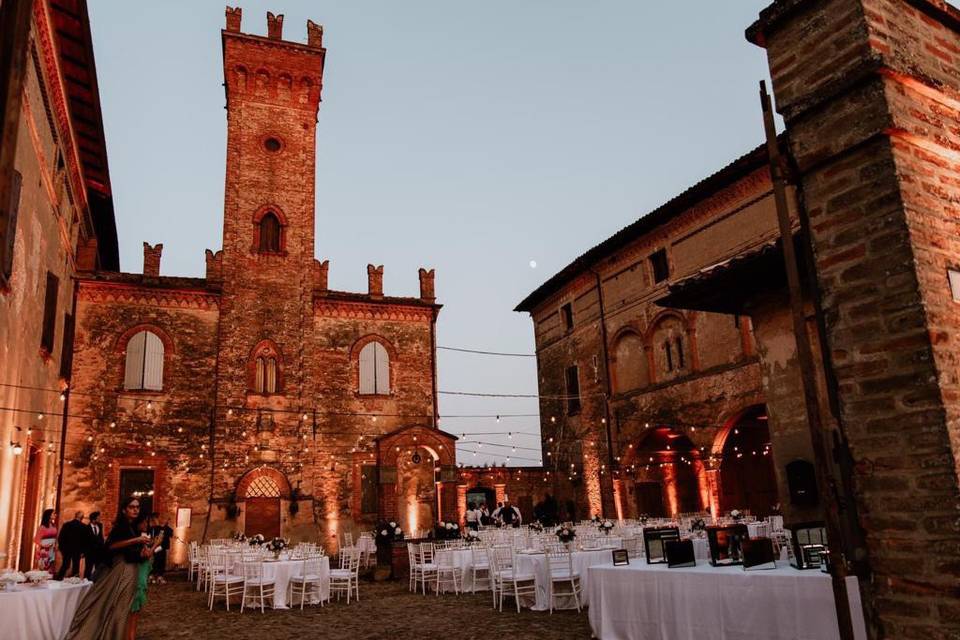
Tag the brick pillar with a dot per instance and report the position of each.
(711, 469)
(868, 89)
(426, 286)
(461, 504)
(274, 26)
(314, 34)
(501, 491)
(449, 501)
(618, 498)
(151, 260)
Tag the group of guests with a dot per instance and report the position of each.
(120, 565)
(505, 515)
(78, 541)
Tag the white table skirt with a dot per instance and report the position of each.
(282, 570)
(537, 564)
(652, 602)
(463, 560)
(39, 613)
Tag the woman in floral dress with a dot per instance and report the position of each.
(45, 541)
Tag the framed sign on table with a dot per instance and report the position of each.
(758, 554)
(653, 542)
(184, 515)
(726, 544)
(620, 557)
(680, 553)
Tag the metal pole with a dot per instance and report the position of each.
(606, 386)
(821, 445)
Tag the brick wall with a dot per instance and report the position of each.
(868, 91)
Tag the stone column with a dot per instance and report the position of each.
(501, 491)
(869, 93)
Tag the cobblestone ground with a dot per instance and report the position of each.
(385, 611)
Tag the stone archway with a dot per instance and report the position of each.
(261, 491)
(743, 456)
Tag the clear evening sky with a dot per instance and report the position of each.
(470, 137)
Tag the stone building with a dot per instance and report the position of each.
(255, 398)
(869, 94)
(58, 218)
(659, 411)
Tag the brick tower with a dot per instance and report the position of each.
(267, 264)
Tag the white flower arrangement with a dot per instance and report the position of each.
(257, 539)
(13, 577)
(473, 535)
(397, 531)
(392, 524)
(735, 514)
(37, 577)
(384, 533)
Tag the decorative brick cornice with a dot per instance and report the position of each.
(106, 292)
(57, 95)
(372, 311)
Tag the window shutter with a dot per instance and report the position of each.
(382, 362)
(271, 375)
(153, 363)
(50, 314)
(368, 369)
(258, 383)
(66, 350)
(10, 236)
(133, 376)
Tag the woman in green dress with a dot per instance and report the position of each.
(143, 573)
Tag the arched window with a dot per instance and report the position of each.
(144, 366)
(266, 369)
(374, 370)
(266, 378)
(269, 233)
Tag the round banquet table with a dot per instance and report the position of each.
(280, 571)
(39, 613)
(462, 560)
(536, 563)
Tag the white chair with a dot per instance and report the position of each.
(560, 574)
(255, 586)
(346, 579)
(221, 582)
(448, 573)
(191, 560)
(308, 580)
(509, 580)
(347, 539)
(413, 559)
(428, 567)
(480, 568)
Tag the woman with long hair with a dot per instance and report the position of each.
(104, 610)
(45, 541)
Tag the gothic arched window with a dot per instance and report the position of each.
(144, 363)
(266, 369)
(270, 230)
(374, 370)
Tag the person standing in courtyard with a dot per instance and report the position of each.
(143, 526)
(105, 608)
(474, 516)
(73, 541)
(164, 533)
(46, 540)
(93, 554)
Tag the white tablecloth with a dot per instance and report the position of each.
(282, 570)
(39, 613)
(366, 544)
(644, 602)
(463, 560)
(537, 564)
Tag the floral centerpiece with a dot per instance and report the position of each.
(472, 536)
(446, 531)
(388, 532)
(239, 537)
(256, 540)
(536, 526)
(565, 534)
(736, 515)
(643, 520)
(37, 577)
(595, 519)
(8, 578)
(277, 545)
(606, 526)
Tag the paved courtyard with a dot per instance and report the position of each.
(385, 610)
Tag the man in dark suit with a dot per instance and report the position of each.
(160, 557)
(72, 542)
(94, 550)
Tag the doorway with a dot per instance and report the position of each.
(262, 506)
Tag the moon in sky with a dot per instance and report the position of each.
(533, 264)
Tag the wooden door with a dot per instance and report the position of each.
(263, 517)
(649, 499)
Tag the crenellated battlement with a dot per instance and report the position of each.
(268, 68)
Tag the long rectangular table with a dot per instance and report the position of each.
(39, 613)
(651, 602)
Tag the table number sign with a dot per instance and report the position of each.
(653, 543)
(808, 541)
(620, 557)
(680, 553)
(758, 554)
(726, 544)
